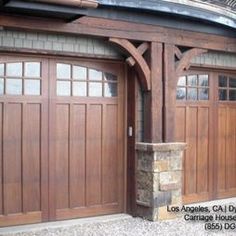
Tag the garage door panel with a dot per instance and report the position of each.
(203, 151)
(191, 161)
(32, 157)
(12, 171)
(110, 175)
(226, 151)
(222, 133)
(94, 156)
(78, 152)
(62, 155)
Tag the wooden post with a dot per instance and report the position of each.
(153, 100)
(169, 93)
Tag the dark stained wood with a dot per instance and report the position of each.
(142, 67)
(24, 187)
(131, 166)
(184, 62)
(88, 150)
(84, 172)
(121, 29)
(154, 99)
(169, 92)
(209, 129)
(142, 48)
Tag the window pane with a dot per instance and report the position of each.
(1, 69)
(181, 93)
(1, 86)
(63, 88)
(182, 81)
(95, 74)
(232, 82)
(232, 95)
(32, 87)
(222, 94)
(222, 81)
(95, 89)
(203, 80)
(63, 71)
(192, 80)
(32, 69)
(79, 72)
(14, 86)
(204, 94)
(110, 77)
(80, 89)
(110, 89)
(192, 94)
(14, 69)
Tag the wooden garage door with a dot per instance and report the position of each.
(205, 119)
(61, 131)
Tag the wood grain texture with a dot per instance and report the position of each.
(121, 29)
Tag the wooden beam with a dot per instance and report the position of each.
(185, 61)
(153, 129)
(121, 29)
(169, 92)
(141, 49)
(178, 53)
(143, 69)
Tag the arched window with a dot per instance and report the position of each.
(76, 80)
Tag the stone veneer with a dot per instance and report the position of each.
(159, 179)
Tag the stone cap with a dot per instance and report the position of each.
(163, 147)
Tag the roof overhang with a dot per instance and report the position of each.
(194, 9)
(67, 10)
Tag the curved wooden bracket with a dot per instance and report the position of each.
(142, 66)
(185, 60)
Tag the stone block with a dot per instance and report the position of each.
(145, 162)
(144, 196)
(170, 177)
(162, 199)
(170, 186)
(160, 166)
(176, 163)
(144, 180)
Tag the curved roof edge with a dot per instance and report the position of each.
(195, 9)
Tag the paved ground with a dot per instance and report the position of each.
(116, 225)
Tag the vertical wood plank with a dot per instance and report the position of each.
(191, 161)
(203, 150)
(109, 163)
(169, 93)
(93, 158)
(31, 157)
(62, 155)
(12, 159)
(221, 177)
(78, 152)
(153, 100)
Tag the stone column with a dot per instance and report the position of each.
(159, 179)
